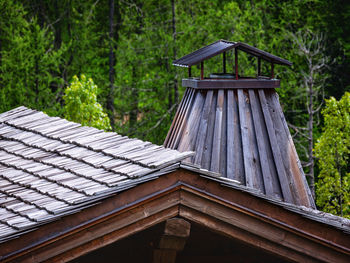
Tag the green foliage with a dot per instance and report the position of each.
(44, 43)
(29, 65)
(81, 104)
(333, 152)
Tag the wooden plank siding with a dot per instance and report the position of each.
(241, 133)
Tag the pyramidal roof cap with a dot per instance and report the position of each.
(221, 46)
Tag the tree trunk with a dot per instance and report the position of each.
(134, 111)
(58, 28)
(110, 99)
(310, 139)
(176, 91)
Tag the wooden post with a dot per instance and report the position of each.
(176, 232)
(259, 66)
(272, 71)
(236, 63)
(224, 62)
(202, 70)
(189, 72)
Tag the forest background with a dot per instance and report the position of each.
(127, 48)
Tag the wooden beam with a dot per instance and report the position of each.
(107, 231)
(176, 232)
(189, 72)
(280, 240)
(272, 71)
(202, 70)
(177, 227)
(259, 66)
(80, 233)
(231, 83)
(224, 62)
(225, 229)
(236, 63)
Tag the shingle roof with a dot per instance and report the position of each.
(221, 46)
(50, 167)
(243, 135)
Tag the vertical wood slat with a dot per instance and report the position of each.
(236, 63)
(250, 150)
(238, 148)
(223, 146)
(209, 138)
(302, 186)
(203, 128)
(230, 160)
(190, 131)
(202, 70)
(175, 120)
(268, 170)
(183, 117)
(282, 142)
(224, 62)
(284, 182)
(245, 141)
(215, 158)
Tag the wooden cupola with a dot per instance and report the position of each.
(236, 126)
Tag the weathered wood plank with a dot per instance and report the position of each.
(223, 145)
(210, 133)
(284, 182)
(215, 153)
(227, 230)
(203, 128)
(174, 122)
(237, 138)
(190, 131)
(230, 160)
(183, 117)
(291, 159)
(114, 228)
(177, 227)
(271, 185)
(251, 158)
(176, 232)
(276, 236)
(231, 84)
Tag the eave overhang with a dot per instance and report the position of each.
(198, 198)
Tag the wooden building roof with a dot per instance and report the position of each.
(68, 190)
(50, 167)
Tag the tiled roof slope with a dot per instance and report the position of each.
(50, 167)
